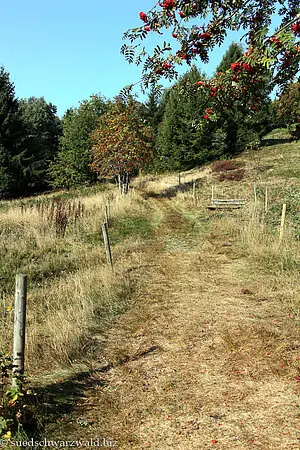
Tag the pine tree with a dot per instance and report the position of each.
(239, 124)
(11, 139)
(234, 53)
(42, 128)
(181, 142)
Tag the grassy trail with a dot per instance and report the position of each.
(196, 363)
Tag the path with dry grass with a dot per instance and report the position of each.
(196, 363)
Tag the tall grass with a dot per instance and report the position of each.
(73, 294)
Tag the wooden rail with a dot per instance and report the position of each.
(226, 203)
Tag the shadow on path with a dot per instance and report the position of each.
(269, 142)
(173, 190)
(48, 405)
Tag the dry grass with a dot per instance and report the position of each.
(220, 304)
(225, 367)
(72, 293)
(207, 354)
(160, 183)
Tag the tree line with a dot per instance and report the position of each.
(104, 138)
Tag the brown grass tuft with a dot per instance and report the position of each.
(234, 175)
(225, 165)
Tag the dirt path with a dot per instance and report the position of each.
(191, 369)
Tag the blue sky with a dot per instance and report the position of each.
(67, 50)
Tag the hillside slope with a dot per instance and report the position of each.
(207, 356)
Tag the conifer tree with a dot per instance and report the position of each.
(11, 138)
(233, 53)
(42, 131)
(182, 142)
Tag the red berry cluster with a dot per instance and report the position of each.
(209, 112)
(238, 67)
(164, 69)
(248, 68)
(288, 57)
(276, 55)
(296, 28)
(206, 36)
(143, 16)
(182, 55)
(199, 42)
(213, 91)
(168, 4)
(276, 41)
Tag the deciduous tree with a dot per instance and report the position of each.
(72, 165)
(273, 53)
(121, 142)
(288, 106)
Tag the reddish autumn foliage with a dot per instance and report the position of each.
(122, 142)
(224, 166)
(235, 175)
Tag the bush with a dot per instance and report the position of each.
(225, 165)
(235, 175)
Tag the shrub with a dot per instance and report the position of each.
(235, 175)
(225, 165)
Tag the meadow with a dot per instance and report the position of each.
(177, 266)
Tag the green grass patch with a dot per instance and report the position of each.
(129, 226)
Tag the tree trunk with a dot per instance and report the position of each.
(126, 183)
(120, 183)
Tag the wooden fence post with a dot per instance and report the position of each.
(19, 327)
(194, 191)
(107, 244)
(266, 199)
(212, 192)
(282, 223)
(4, 307)
(107, 215)
(127, 183)
(179, 180)
(108, 208)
